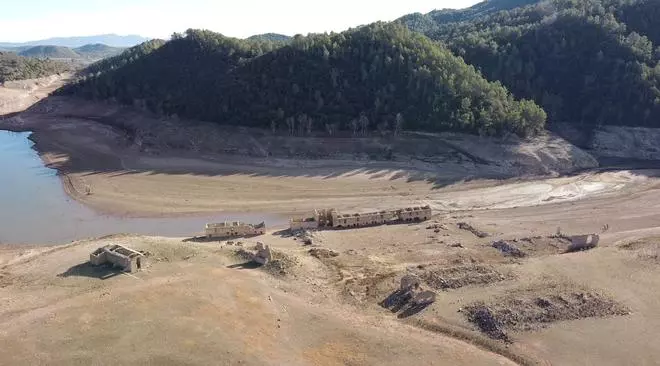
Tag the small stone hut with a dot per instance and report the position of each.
(127, 259)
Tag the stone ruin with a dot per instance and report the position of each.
(583, 242)
(233, 229)
(508, 249)
(262, 255)
(334, 219)
(128, 260)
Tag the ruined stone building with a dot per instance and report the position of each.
(128, 260)
(418, 213)
(262, 255)
(234, 229)
(583, 242)
(335, 219)
(363, 219)
(307, 223)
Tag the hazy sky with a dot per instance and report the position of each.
(25, 20)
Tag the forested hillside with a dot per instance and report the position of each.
(429, 23)
(49, 52)
(381, 76)
(588, 62)
(14, 67)
(124, 58)
(97, 51)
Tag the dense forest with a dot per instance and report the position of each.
(14, 67)
(273, 37)
(587, 62)
(378, 77)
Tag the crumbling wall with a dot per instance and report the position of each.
(263, 254)
(119, 256)
(583, 242)
(303, 224)
(234, 229)
(415, 213)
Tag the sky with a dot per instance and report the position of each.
(28, 20)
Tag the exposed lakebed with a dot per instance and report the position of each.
(34, 209)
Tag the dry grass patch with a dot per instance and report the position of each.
(454, 277)
(280, 265)
(648, 249)
(536, 246)
(535, 307)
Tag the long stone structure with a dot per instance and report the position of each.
(335, 219)
(234, 229)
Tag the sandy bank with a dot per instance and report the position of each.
(122, 161)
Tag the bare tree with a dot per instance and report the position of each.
(310, 126)
(302, 123)
(354, 126)
(398, 124)
(364, 124)
(328, 128)
(382, 127)
(334, 74)
(291, 124)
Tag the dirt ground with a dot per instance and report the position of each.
(125, 161)
(325, 304)
(192, 308)
(199, 303)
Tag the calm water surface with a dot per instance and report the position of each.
(34, 209)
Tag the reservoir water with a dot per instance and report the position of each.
(34, 209)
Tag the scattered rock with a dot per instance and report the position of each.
(322, 253)
(470, 228)
(484, 318)
(508, 249)
(443, 278)
(533, 308)
(437, 227)
(457, 245)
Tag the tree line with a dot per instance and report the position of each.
(380, 77)
(587, 62)
(14, 67)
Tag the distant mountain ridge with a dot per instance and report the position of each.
(112, 40)
(89, 52)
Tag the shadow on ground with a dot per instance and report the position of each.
(439, 160)
(416, 156)
(245, 265)
(401, 302)
(102, 272)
